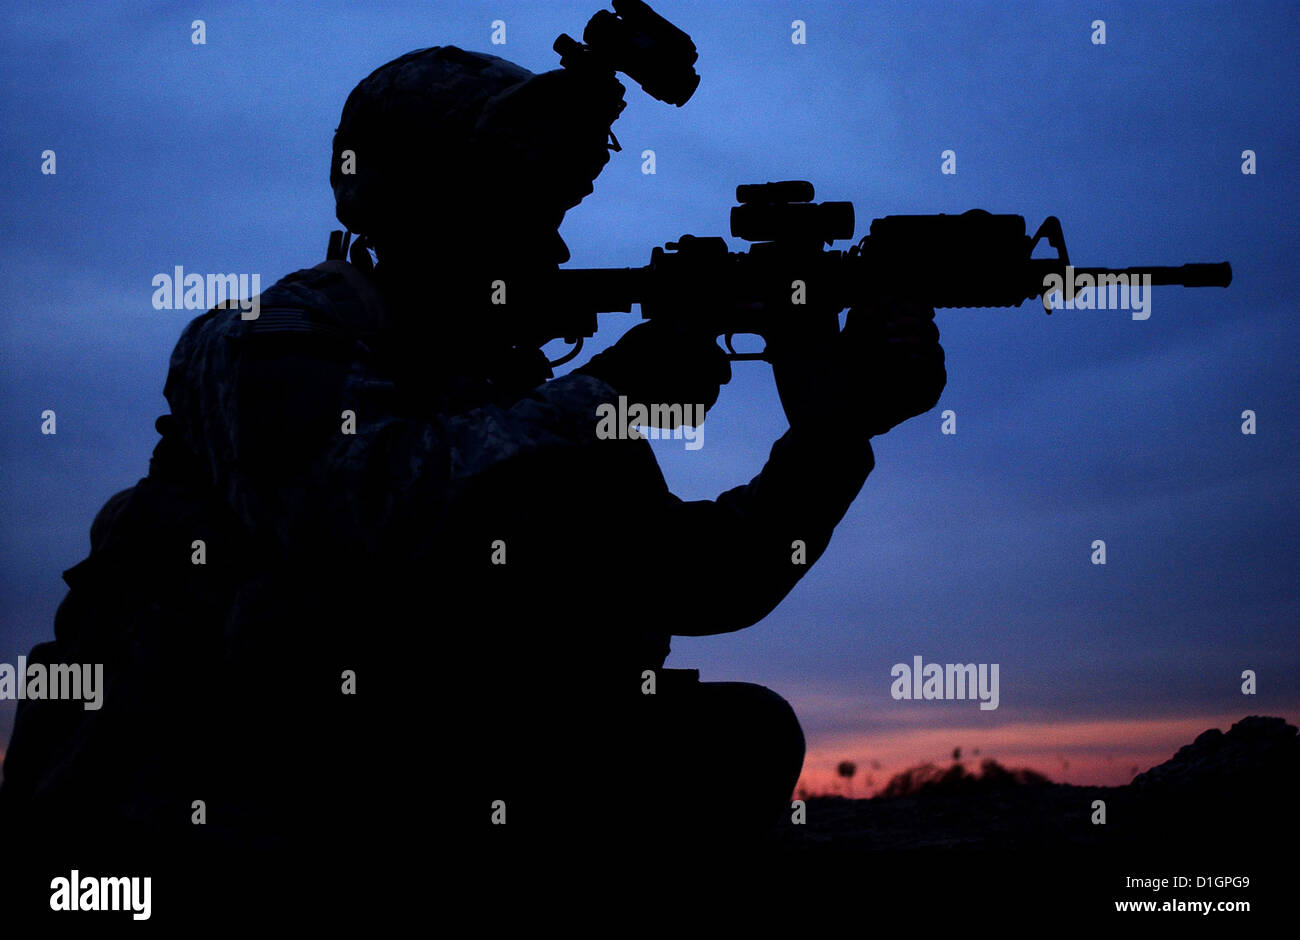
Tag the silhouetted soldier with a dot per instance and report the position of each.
(389, 491)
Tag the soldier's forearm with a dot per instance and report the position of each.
(757, 540)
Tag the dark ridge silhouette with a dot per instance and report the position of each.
(930, 778)
(1224, 805)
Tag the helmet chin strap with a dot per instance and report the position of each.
(358, 252)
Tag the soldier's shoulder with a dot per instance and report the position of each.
(303, 308)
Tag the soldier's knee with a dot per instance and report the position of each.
(763, 720)
(784, 725)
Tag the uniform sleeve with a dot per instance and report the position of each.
(641, 558)
(753, 544)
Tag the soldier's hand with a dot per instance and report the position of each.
(884, 367)
(894, 347)
(657, 362)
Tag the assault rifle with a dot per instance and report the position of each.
(976, 259)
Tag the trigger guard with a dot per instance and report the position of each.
(569, 354)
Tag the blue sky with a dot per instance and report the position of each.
(971, 547)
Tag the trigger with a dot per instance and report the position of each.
(570, 354)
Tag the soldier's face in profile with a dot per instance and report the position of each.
(531, 197)
(546, 142)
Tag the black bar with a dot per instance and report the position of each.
(1186, 275)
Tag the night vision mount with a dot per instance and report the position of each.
(638, 42)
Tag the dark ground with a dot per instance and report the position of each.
(1224, 805)
(985, 851)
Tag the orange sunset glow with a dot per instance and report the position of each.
(1089, 753)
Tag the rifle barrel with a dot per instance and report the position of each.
(1186, 275)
